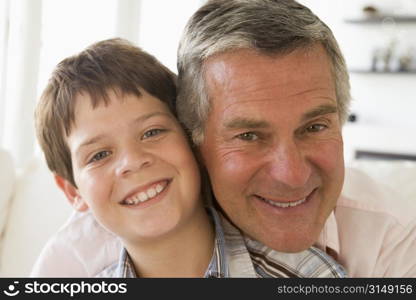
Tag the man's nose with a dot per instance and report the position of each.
(288, 164)
(133, 159)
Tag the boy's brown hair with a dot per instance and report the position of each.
(113, 64)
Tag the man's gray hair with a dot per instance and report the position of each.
(266, 26)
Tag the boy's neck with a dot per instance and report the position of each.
(185, 253)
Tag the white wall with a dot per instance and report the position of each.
(385, 103)
(161, 26)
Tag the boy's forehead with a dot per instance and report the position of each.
(86, 101)
(98, 97)
(119, 113)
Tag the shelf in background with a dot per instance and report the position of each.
(413, 72)
(360, 154)
(380, 19)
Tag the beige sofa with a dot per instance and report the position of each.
(31, 210)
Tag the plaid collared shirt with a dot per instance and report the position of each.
(235, 255)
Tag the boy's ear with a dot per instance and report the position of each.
(71, 193)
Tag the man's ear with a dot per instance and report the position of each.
(71, 193)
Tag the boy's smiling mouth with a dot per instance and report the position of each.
(147, 193)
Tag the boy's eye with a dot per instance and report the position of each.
(316, 127)
(247, 136)
(99, 156)
(152, 132)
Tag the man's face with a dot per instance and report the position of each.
(273, 144)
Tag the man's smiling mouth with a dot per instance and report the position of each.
(286, 204)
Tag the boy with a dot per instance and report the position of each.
(106, 123)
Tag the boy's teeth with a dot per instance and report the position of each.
(146, 195)
(136, 199)
(142, 197)
(151, 193)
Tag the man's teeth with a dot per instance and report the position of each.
(159, 188)
(146, 195)
(284, 204)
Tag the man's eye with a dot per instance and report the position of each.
(152, 132)
(99, 156)
(247, 136)
(316, 128)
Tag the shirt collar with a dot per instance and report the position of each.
(231, 257)
(250, 258)
(239, 260)
(125, 268)
(217, 268)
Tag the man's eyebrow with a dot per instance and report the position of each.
(97, 138)
(320, 111)
(246, 123)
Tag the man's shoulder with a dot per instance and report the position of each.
(111, 271)
(81, 231)
(81, 247)
(376, 228)
(364, 196)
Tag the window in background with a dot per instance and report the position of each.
(161, 26)
(4, 29)
(20, 70)
(71, 25)
(37, 34)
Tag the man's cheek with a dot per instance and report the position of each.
(237, 166)
(329, 158)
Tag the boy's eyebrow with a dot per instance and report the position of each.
(323, 109)
(140, 119)
(151, 115)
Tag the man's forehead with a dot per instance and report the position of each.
(241, 55)
(246, 71)
(245, 85)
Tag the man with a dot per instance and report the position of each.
(272, 138)
(264, 91)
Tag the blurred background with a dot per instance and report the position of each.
(378, 39)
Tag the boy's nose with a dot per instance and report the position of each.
(133, 160)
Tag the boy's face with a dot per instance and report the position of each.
(133, 167)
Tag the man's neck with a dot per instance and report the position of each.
(186, 252)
